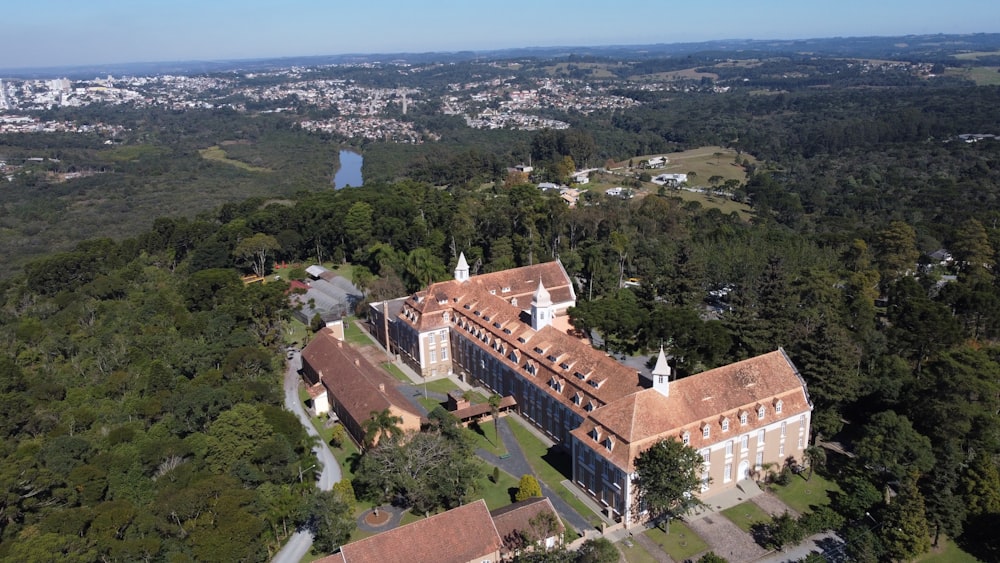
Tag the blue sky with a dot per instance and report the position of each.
(71, 32)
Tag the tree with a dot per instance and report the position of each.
(897, 250)
(597, 550)
(255, 250)
(904, 531)
(784, 530)
(711, 557)
(892, 447)
(527, 488)
(667, 476)
(495, 401)
(331, 518)
(816, 457)
(382, 423)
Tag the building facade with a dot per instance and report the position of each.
(509, 331)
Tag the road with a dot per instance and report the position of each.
(300, 542)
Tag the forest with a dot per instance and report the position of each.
(139, 389)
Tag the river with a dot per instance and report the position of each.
(349, 173)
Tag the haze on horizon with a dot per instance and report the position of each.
(51, 33)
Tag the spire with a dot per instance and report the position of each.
(541, 308)
(542, 297)
(661, 374)
(462, 269)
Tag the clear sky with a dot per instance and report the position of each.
(39, 33)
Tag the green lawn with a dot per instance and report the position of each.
(635, 553)
(681, 543)
(295, 333)
(746, 515)
(217, 154)
(551, 468)
(443, 386)
(497, 494)
(801, 495)
(396, 372)
(946, 552)
(355, 335)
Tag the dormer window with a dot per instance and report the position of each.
(725, 424)
(686, 438)
(577, 399)
(530, 367)
(514, 356)
(777, 406)
(521, 339)
(538, 350)
(609, 443)
(595, 383)
(496, 324)
(506, 289)
(580, 375)
(564, 365)
(551, 358)
(506, 331)
(743, 418)
(590, 406)
(761, 411)
(493, 292)
(706, 431)
(595, 434)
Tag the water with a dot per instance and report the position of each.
(349, 173)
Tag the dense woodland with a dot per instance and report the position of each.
(140, 390)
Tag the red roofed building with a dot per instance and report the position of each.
(354, 388)
(461, 535)
(508, 330)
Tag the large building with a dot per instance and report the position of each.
(508, 330)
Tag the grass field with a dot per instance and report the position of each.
(635, 553)
(745, 515)
(946, 552)
(975, 55)
(802, 495)
(981, 75)
(217, 154)
(681, 543)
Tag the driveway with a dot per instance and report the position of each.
(726, 539)
(300, 542)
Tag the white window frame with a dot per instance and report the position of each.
(729, 448)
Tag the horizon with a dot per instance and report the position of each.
(50, 34)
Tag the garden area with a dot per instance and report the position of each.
(681, 543)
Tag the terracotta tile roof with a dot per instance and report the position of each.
(350, 378)
(517, 517)
(471, 411)
(459, 535)
(637, 421)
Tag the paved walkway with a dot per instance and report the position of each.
(726, 539)
(652, 548)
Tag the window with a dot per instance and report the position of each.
(434, 356)
(725, 425)
(704, 482)
(705, 431)
(442, 336)
(729, 448)
(743, 419)
(802, 424)
(760, 437)
(745, 442)
(686, 438)
(760, 460)
(800, 442)
(783, 429)
(781, 450)
(777, 407)
(761, 411)
(706, 454)
(444, 354)
(727, 473)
